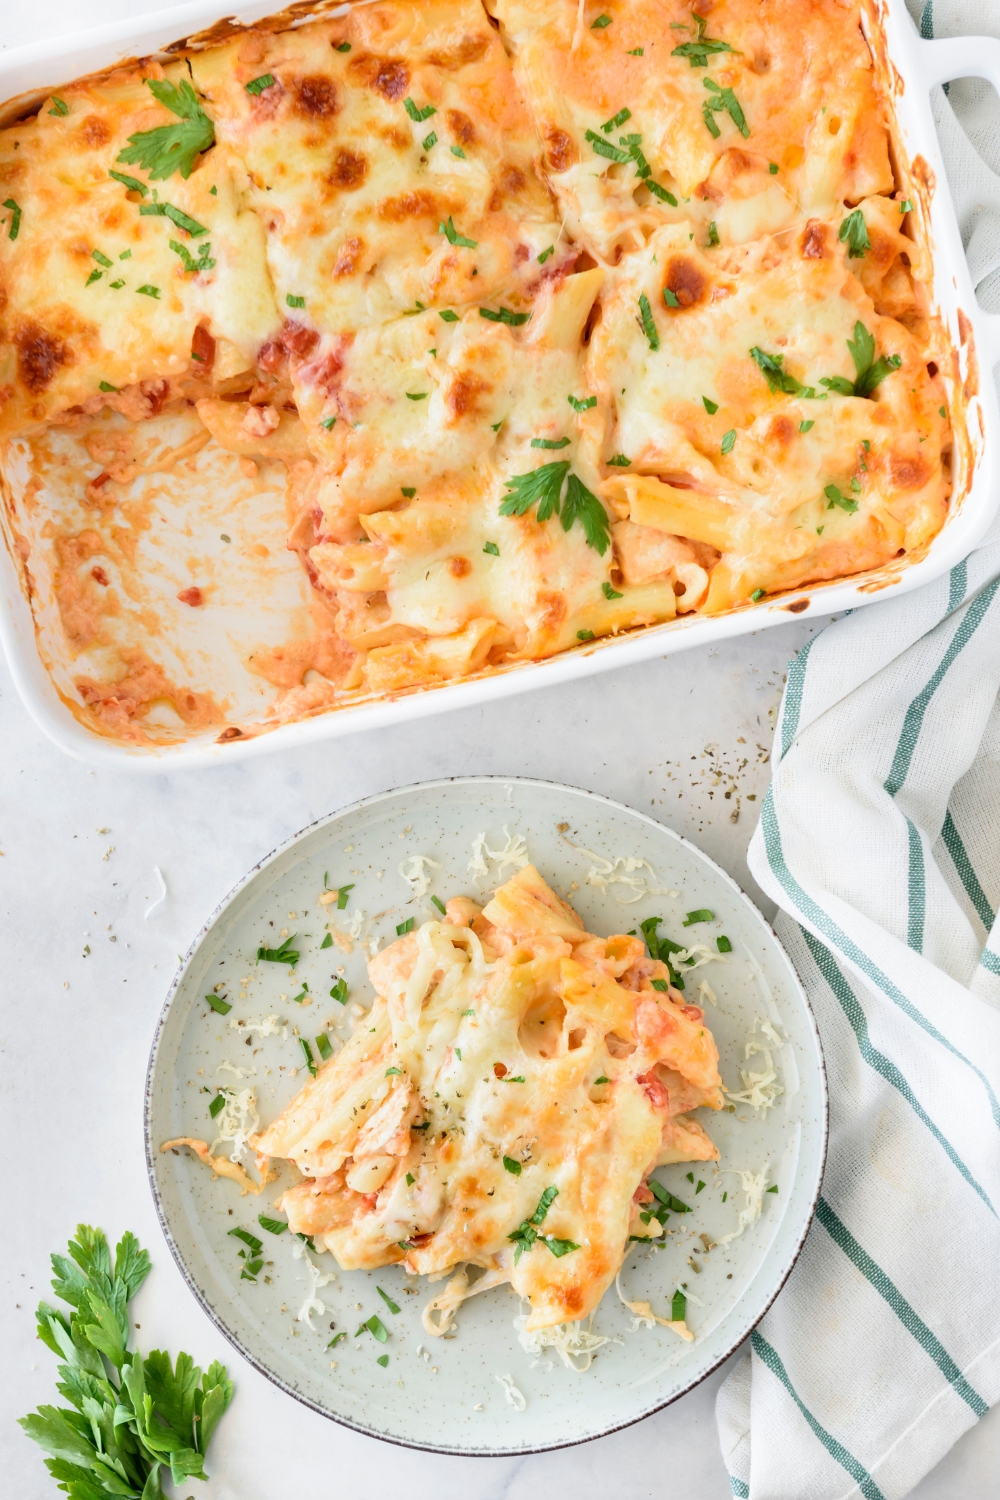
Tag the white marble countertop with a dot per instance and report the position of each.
(685, 738)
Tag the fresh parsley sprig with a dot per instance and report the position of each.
(723, 99)
(870, 371)
(661, 948)
(697, 53)
(542, 488)
(171, 148)
(128, 1417)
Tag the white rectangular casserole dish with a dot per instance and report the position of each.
(910, 68)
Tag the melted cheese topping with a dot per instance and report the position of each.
(440, 249)
(501, 1106)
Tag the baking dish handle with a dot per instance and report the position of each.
(940, 61)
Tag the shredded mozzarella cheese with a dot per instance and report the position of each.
(317, 1278)
(754, 1184)
(706, 992)
(511, 1392)
(621, 871)
(695, 956)
(513, 853)
(269, 1026)
(643, 1315)
(571, 1341)
(228, 1067)
(237, 1121)
(416, 877)
(760, 1090)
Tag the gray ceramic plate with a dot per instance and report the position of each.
(445, 1394)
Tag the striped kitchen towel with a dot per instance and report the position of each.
(880, 840)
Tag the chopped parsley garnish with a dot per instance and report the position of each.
(619, 461)
(582, 403)
(147, 290)
(102, 260)
(701, 915)
(125, 255)
(562, 442)
(273, 1226)
(661, 948)
(558, 1247)
(376, 1327)
(616, 120)
(710, 406)
(387, 1300)
(841, 501)
(666, 1198)
(543, 487)
(176, 215)
(94, 276)
(777, 378)
(407, 491)
(609, 592)
(585, 635)
(343, 1333)
(14, 227)
(327, 941)
(544, 255)
(382, 1360)
(410, 1179)
(436, 899)
(525, 1235)
(220, 1006)
(698, 1187)
(805, 426)
(286, 954)
(636, 51)
(257, 86)
(116, 286)
(728, 441)
(393, 1073)
(697, 53)
(418, 115)
(723, 99)
(328, 423)
(292, 301)
(648, 326)
(678, 1307)
(307, 1054)
(339, 991)
(171, 148)
(453, 237)
(132, 183)
(417, 395)
(59, 106)
(512, 1166)
(600, 23)
(756, 596)
(107, 387)
(504, 315)
(772, 1189)
(217, 1105)
(343, 47)
(239, 1233)
(854, 233)
(772, 167)
(660, 984)
(494, 551)
(670, 297)
(941, 413)
(429, 140)
(661, 192)
(870, 371)
(203, 263)
(513, 1078)
(605, 148)
(457, 151)
(448, 316)
(404, 927)
(323, 1046)
(906, 207)
(723, 944)
(343, 896)
(713, 233)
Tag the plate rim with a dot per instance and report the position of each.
(222, 906)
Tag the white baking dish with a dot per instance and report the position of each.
(911, 67)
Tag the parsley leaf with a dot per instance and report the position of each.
(171, 148)
(609, 592)
(870, 371)
(416, 114)
(256, 86)
(387, 1300)
(854, 233)
(558, 1247)
(203, 263)
(697, 53)
(339, 991)
(542, 485)
(504, 315)
(580, 505)
(723, 99)
(550, 443)
(605, 148)
(678, 1307)
(600, 23)
(648, 325)
(15, 218)
(220, 1006)
(404, 927)
(512, 1166)
(176, 216)
(584, 403)
(777, 378)
(454, 238)
(728, 441)
(286, 954)
(841, 501)
(619, 461)
(273, 1226)
(616, 120)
